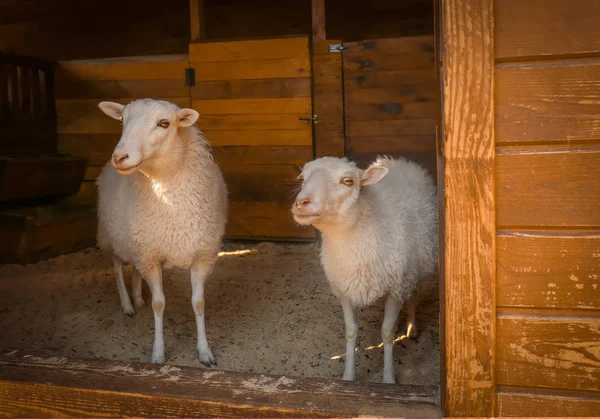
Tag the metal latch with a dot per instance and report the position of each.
(337, 48)
(315, 118)
(190, 76)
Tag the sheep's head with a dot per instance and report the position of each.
(330, 189)
(149, 131)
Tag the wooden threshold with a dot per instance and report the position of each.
(35, 385)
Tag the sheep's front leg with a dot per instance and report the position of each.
(154, 280)
(351, 334)
(136, 289)
(411, 321)
(199, 273)
(123, 294)
(392, 309)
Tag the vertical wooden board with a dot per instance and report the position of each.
(555, 102)
(328, 100)
(318, 20)
(470, 248)
(548, 187)
(546, 27)
(260, 49)
(552, 269)
(552, 352)
(197, 26)
(547, 405)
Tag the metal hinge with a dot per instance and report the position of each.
(315, 118)
(337, 48)
(190, 76)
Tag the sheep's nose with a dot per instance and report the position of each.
(120, 158)
(300, 202)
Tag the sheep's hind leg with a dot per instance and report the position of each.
(123, 294)
(136, 289)
(351, 334)
(199, 272)
(392, 309)
(154, 280)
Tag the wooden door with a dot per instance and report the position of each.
(391, 99)
(251, 96)
(521, 153)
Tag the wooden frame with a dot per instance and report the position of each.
(197, 26)
(469, 222)
(33, 385)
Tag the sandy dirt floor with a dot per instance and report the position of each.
(269, 310)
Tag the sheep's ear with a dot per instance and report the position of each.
(187, 117)
(373, 175)
(112, 109)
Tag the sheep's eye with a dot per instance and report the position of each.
(163, 123)
(348, 181)
(300, 179)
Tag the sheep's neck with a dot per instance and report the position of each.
(167, 167)
(345, 226)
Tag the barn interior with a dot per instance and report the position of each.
(259, 67)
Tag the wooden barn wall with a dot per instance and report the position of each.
(72, 29)
(548, 207)
(250, 96)
(83, 129)
(391, 100)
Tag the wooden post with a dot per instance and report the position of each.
(197, 27)
(318, 20)
(470, 214)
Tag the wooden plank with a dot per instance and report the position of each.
(300, 106)
(469, 221)
(548, 187)
(425, 93)
(260, 49)
(92, 172)
(382, 79)
(251, 89)
(259, 138)
(390, 127)
(328, 101)
(548, 102)
(252, 69)
(45, 386)
(396, 144)
(262, 155)
(262, 183)
(400, 109)
(553, 352)
(426, 160)
(135, 68)
(88, 194)
(82, 116)
(247, 122)
(399, 45)
(82, 144)
(553, 269)
(197, 24)
(67, 88)
(547, 405)
(372, 61)
(319, 32)
(546, 27)
(264, 220)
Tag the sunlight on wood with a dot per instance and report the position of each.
(238, 252)
(370, 348)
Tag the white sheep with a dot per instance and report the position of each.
(162, 202)
(379, 238)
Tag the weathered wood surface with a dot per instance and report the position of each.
(32, 177)
(249, 50)
(548, 102)
(197, 22)
(560, 352)
(319, 32)
(470, 248)
(548, 269)
(251, 89)
(36, 233)
(548, 187)
(164, 67)
(328, 97)
(547, 405)
(31, 386)
(296, 106)
(544, 28)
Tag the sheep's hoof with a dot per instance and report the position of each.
(389, 379)
(129, 311)
(158, 359)
(207, 359)
(139, 303)
(349, 377)
(414, 335)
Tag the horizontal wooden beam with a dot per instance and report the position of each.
(36, 385)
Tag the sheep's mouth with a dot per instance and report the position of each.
(306, 218)
(129, 170)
